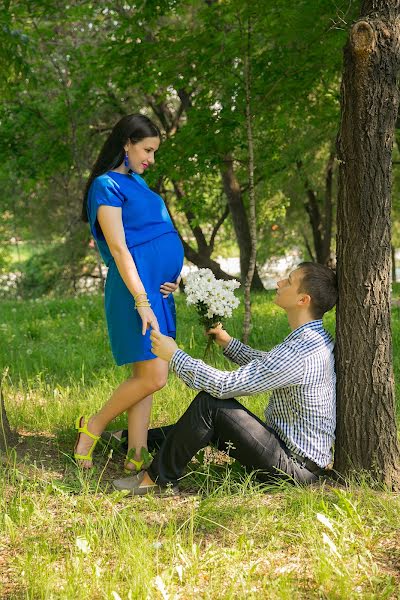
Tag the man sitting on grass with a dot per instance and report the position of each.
(295, 441)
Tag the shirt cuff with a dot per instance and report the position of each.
(232, 349)
(178, 360)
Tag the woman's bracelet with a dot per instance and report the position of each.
(142, 304)
(139, 294)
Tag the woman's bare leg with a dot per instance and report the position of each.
(150, 376)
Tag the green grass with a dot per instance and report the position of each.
(66, 536)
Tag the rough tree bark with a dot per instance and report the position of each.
(366, 428)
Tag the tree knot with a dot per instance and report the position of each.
(363, 39)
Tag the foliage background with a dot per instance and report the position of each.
(66, 81)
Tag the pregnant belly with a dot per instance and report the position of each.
(159, 260)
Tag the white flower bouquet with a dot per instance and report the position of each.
(213, 298)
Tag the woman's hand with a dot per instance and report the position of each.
(169, 287)
(149, 319)
(221, 336)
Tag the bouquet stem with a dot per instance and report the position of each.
(210, 352)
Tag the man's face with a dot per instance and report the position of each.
(287, 293)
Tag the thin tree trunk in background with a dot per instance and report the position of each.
(308, 247)
(202, 256)
(252, 200)
(393, 264)
(7, 437)
(201, 260)
(320, 214)
(366, 423)
(328, 207)
(239, 220)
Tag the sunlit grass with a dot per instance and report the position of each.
(69, 535)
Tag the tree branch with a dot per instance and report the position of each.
(217, 226)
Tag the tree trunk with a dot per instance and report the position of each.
(366, 428)
(252, 199)
(320, 220)
(240, 220)
(198, 258)
(393, 249)
(7, 437)
(201, 257)
(203, 262)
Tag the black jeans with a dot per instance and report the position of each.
(226, 424)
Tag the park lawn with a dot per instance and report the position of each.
(64, 535)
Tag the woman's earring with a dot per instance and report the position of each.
(126, 161)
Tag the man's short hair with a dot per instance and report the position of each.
(320, 283)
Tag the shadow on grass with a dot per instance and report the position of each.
(46, 459)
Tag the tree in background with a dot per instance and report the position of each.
(366, 429)
(181, 63)
(247, 34)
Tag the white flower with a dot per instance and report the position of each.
(213, 298)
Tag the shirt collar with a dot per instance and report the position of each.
(316, 325)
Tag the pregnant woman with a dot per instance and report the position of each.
(144, 255)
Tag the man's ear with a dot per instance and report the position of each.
(304, 300)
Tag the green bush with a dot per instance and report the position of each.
(5, 259)
(58, 269)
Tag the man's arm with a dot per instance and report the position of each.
(234, 349)
(279, 368)
(241, 354)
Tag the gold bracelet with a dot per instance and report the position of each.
(139, 294)
(142, 305)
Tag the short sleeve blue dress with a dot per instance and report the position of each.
(158, 255)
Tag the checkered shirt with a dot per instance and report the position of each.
(300, 373)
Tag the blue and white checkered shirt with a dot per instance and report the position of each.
(301, 374)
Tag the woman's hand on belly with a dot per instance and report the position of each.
(169, 287)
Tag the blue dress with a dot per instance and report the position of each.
(158, 255)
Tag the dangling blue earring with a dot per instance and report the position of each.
(126, 161)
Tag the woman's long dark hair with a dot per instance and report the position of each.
(132, 127)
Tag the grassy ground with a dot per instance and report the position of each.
(67, 536)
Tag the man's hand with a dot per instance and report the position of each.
(162, 345)
(222, 337)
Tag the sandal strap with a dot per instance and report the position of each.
(85, 457)
(137, 463)
(83, 428)
(143, 463)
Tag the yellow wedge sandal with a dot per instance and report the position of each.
(143, 463)
(81, 427)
